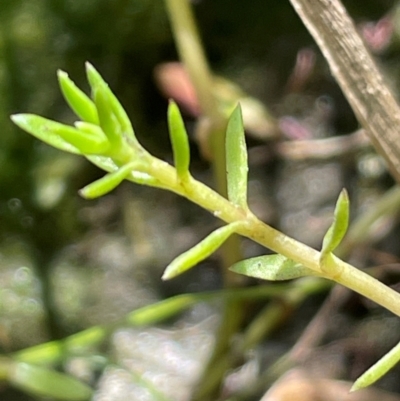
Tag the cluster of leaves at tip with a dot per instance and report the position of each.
(104, 135)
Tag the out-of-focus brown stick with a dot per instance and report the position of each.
(356, 73)
(323, 149)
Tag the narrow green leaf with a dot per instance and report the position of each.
(380, 368)
(95, 81)
(338, 228)
(107, 183)
(272, 267)
(236, 159)
(35, 126)
(107, 119)
(95, 132)
(62, 136)
(42, 382)
(179, 140)
(200, 252)
(138, 177)
(79, 102)
(87, 143)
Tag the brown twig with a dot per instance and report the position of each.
(323, 149)
(356, 73)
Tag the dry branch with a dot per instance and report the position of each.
(354, 69)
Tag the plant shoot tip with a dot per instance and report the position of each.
(17, 118)
(354, 388)
(165, 276)
(89, 66)
(82, 193)
(62, 74)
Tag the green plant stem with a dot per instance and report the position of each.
(338, 270)
(359, 232)
(192, 55)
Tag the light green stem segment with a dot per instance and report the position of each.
(192, 54)
(273, 239)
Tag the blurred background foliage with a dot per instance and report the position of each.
(45, 225)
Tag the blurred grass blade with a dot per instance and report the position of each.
(41, 354)
(62, 136)
(167, 308)
(200, 252)
(338, 228)
(179, 140)
(95, 81)
(159, 311)
(41, 382)
(271, 267)
(79, 102)
(236, 159)
(107, 183)
(376, 371)
(35, 126)
(55, 351)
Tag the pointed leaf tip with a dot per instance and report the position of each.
(200, 251)
(77, 100)
(62, 74)
(89, 67)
